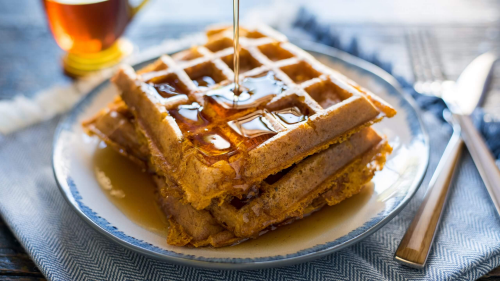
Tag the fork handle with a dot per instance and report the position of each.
(416, 244)
(482, 157)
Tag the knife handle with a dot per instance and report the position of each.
(416, 244)
(482, 157)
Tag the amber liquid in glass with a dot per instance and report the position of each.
(87, 26)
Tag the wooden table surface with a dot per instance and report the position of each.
(30, 25)
(15, 264)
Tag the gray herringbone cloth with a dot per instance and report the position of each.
(66, 248)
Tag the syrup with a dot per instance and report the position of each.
(189, 116)
(236, 42)
(87, 26)
(131, 190)
(166, 91)
(212, 143)
(169, 86)
(216, 141)
(252, 125)
(254, 92)
(290, 116)
(204, 82)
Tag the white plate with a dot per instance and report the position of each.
(322, 233)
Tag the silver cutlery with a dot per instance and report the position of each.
(461, 98)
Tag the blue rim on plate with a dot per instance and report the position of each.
(70, 190)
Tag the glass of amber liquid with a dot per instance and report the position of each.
(90, 30)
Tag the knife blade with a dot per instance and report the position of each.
(461, 102)
(470, 86)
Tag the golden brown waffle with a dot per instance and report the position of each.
(234, 222)
(229, 168)
(288, 195)
(328, 177)
(115, 126)
(214, 147)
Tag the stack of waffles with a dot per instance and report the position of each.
(232, 167)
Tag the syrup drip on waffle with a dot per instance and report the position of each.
(254, 91)
(253, 125)
(169, 87)
(189, 116)
(290, 116)
(204, 82)
(212, 143)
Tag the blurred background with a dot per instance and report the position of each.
(335, 11)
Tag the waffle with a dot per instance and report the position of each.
(216, 146)
(115, 125)
(325, 178)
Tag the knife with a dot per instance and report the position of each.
(462, 100)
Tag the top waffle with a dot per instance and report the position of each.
(215, 144)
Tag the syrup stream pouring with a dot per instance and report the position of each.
(236, 43)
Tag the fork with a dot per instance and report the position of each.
(429, 80)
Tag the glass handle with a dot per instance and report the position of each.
(137, 8)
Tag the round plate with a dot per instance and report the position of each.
(322, 233)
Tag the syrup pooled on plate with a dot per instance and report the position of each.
(290, 116)
(131, 190)
(254, 91)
